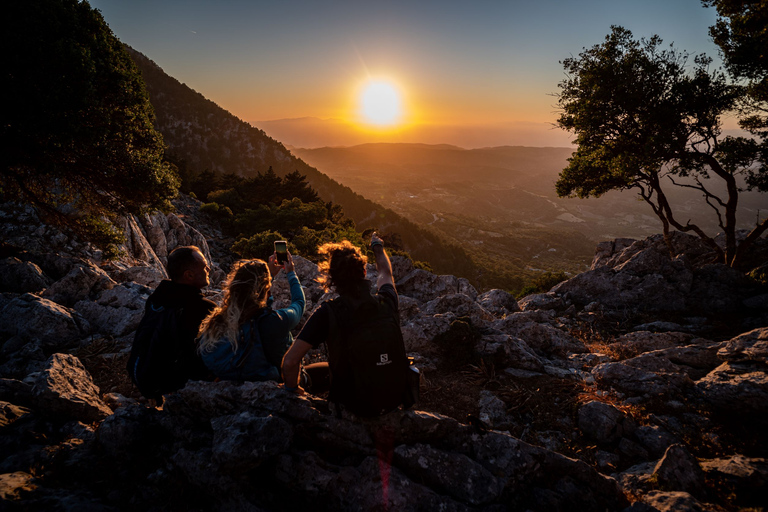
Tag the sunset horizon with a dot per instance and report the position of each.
(458, 74)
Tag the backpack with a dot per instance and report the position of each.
(249, 362)
(367, 356)
(155, 364)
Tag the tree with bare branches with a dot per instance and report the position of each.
(648, 118)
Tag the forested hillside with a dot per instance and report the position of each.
(201, 137)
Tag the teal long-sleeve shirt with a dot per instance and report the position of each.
(275, 328)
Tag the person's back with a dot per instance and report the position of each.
(164, 357)
(366, 354)
(245, 339)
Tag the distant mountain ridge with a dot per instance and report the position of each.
(206, 136)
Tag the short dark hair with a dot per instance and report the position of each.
(180, 260)
(344, 265)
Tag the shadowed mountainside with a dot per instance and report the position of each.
(205, 136)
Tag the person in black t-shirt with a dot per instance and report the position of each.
(345, 272)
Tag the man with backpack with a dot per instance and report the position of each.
(366, 355)
(164, 354)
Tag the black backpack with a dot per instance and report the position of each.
(155, 364)
(366, 356)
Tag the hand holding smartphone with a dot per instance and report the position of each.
(281, 251)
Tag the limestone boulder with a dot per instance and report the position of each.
(453, 474)
(425, 286)
(117, 311)
(55, 326)
(537, 301)
(460, 305)
(419, 332)
(738, 387)
(507, 351)
(82, 281)
(498, 302)
(602, 422)
(144, 275)
(638, 342)
(665, 379)
(18, 276)
(545, 339)
(680, 471)
(65, 387)
(244, 441)
(751, 346)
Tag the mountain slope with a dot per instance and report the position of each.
(206, 136)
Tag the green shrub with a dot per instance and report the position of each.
(261, 245)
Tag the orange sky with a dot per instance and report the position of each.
(465, 70)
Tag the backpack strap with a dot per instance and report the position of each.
(253, 327)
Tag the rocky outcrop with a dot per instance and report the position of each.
(230, 429)
(641, 277)
(642, 405)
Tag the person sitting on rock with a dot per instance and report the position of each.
(164, 356)
(366, 372)
(245, 339)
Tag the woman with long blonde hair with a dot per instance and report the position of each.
(244, 338)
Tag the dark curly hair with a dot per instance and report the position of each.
(343, 266)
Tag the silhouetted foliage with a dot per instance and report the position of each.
(643, 121)
(741, 34)
(78, 140)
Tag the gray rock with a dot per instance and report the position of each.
(244, 441)
(747, 477)
(600, 421)
(144, 275)
(673, 502)
(678, 470)
(10, 413)
(545, 339)
(450, 473)
(117, 311)
(739, 387)
(419, 332)
(425, 286)
(537, 301)
(82, 281)
(16, 486)
(34, 318)
(65, 387)
(498, 302)
(459, 305)
(664, 379)
(507, 351)
(638, 342)
(752, 345)
(18, 276)
(492, 410)
(130, 432)
(655, 439)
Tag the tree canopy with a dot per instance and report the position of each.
(741, 32)
(77, 130)
(649, 118)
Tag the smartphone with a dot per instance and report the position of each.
(281, 251)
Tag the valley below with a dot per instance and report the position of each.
(500, 203)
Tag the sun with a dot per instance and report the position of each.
(380, 103)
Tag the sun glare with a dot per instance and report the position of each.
(380, 103)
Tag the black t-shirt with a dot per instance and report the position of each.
(315, 331)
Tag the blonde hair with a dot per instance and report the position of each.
(245, 292)
(342, 265)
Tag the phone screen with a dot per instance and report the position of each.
(281, 250)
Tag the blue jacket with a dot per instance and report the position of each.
(259, 357)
